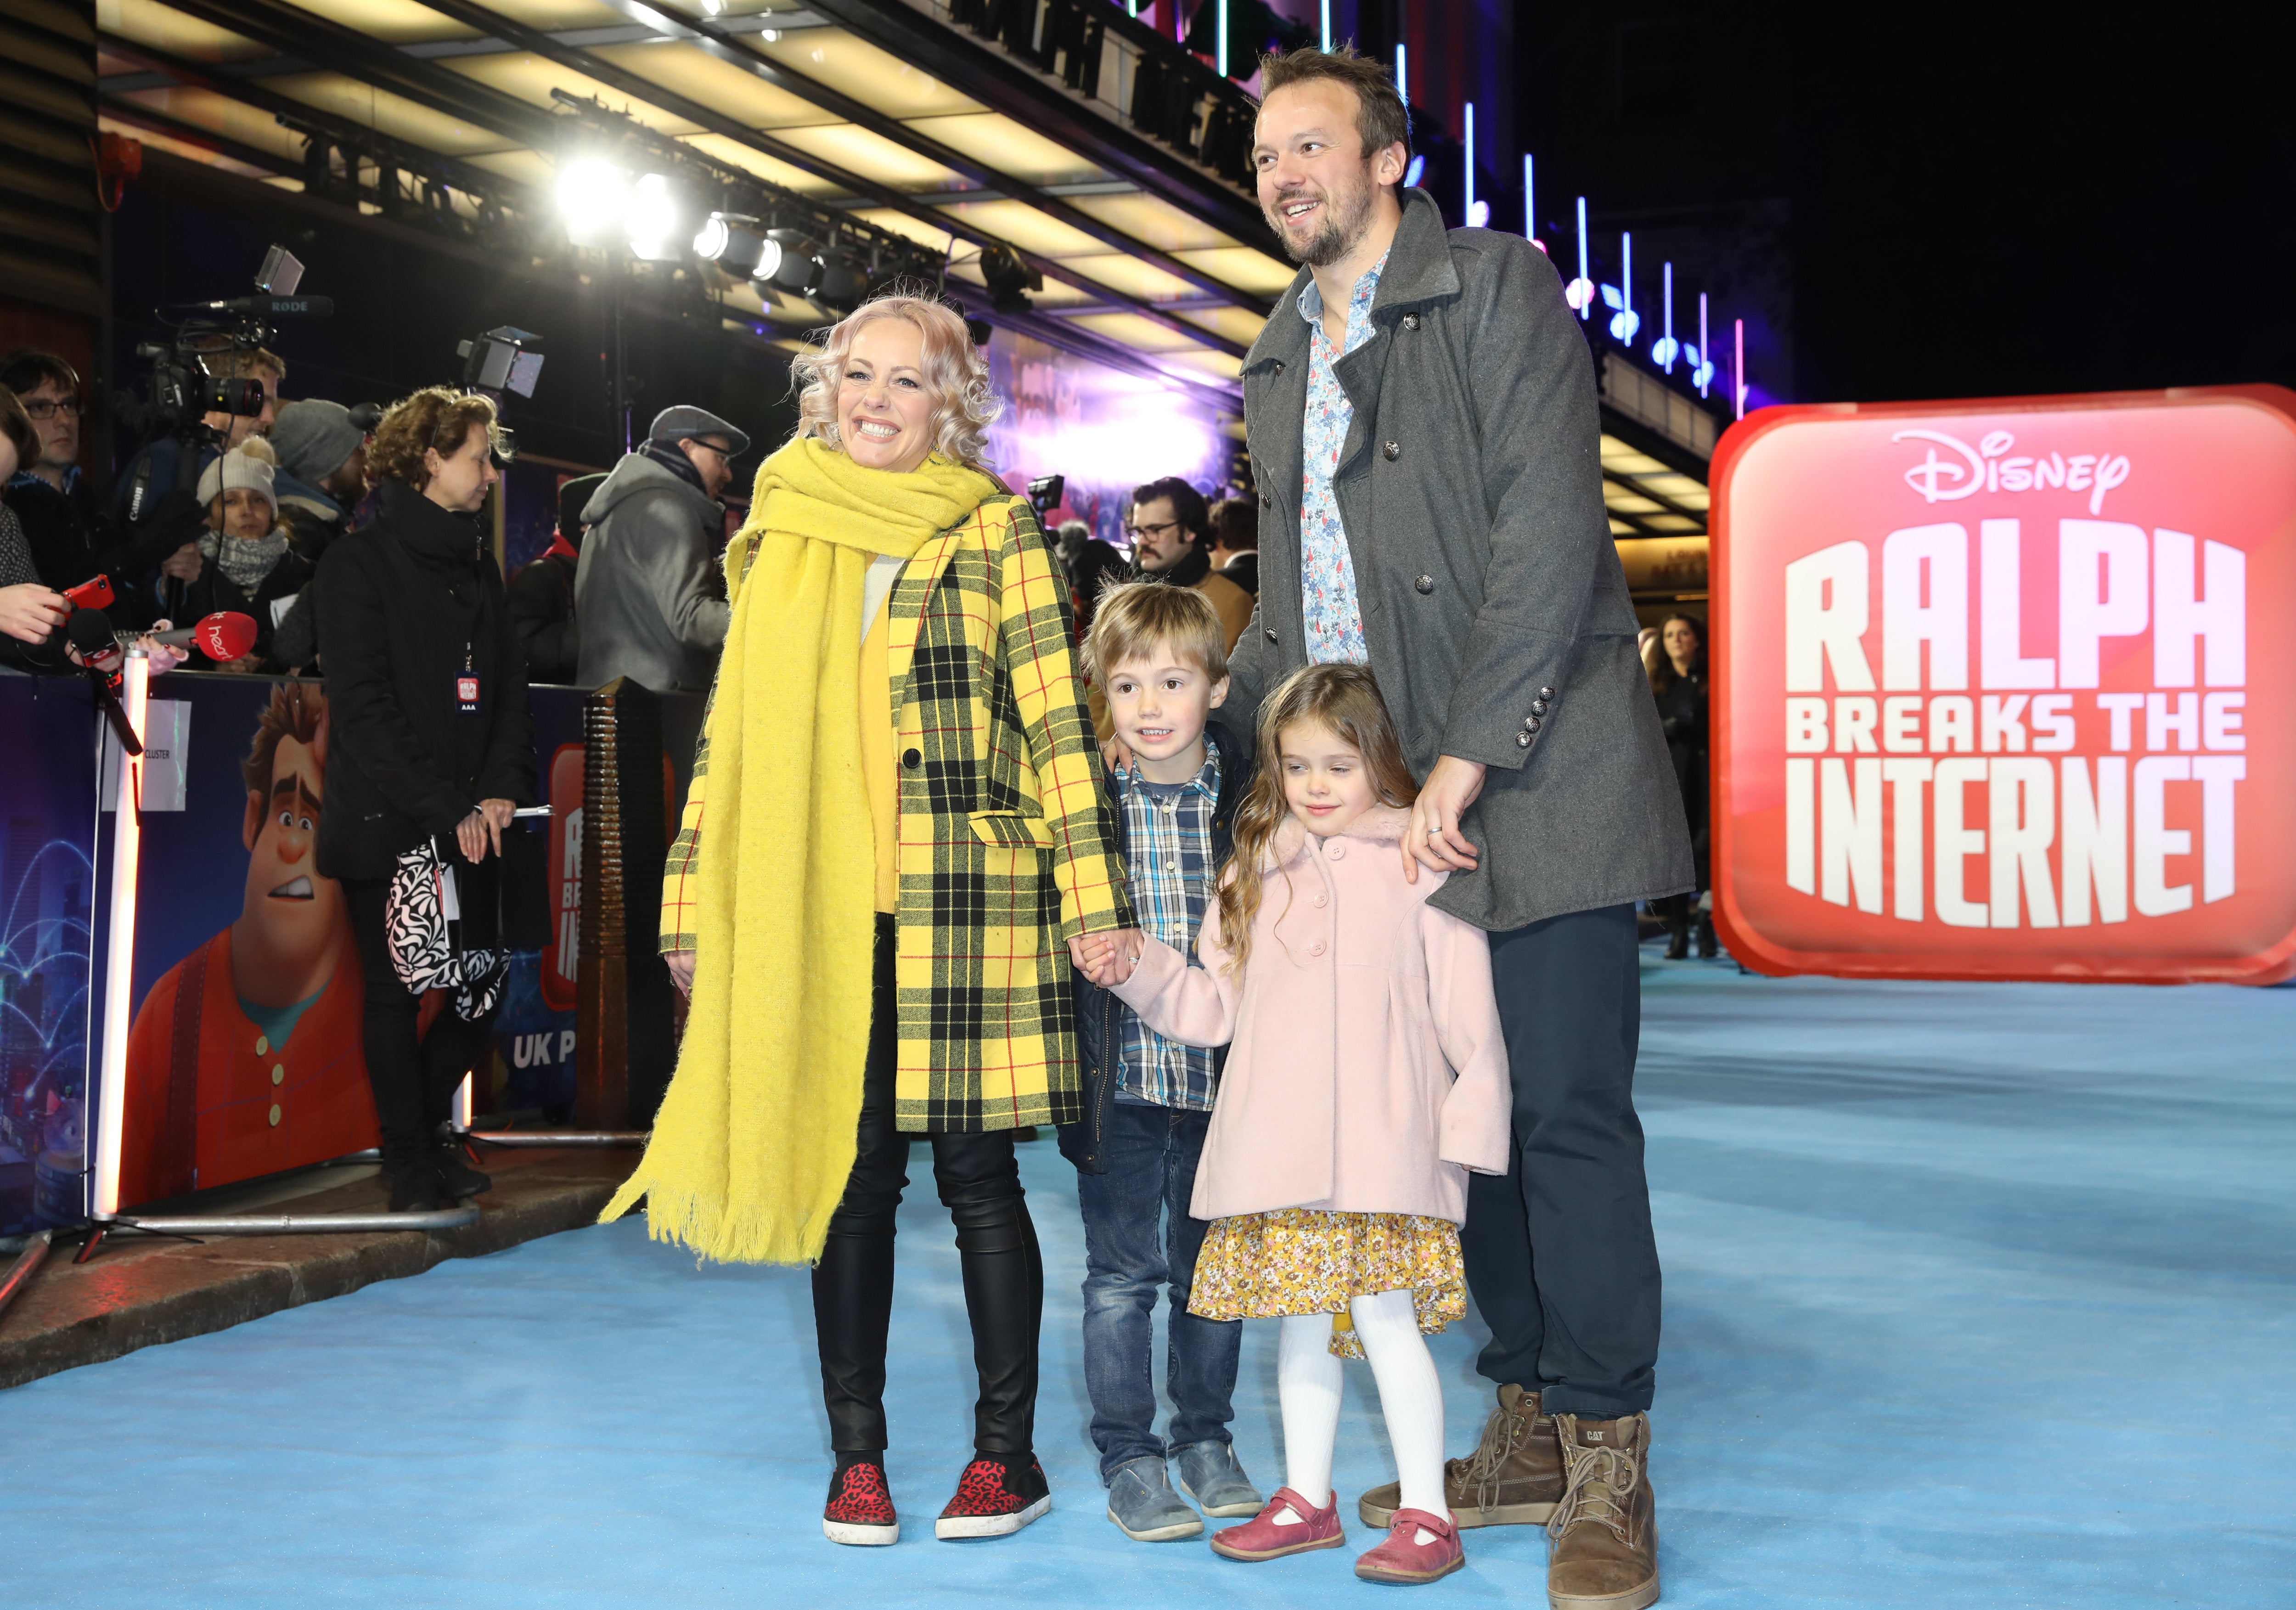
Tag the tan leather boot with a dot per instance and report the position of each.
(1514, 1478)
(1605, 1529)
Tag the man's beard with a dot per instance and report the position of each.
(1337, 236)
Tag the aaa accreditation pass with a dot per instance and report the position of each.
(2002, 689)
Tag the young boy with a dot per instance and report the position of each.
(1160, 654)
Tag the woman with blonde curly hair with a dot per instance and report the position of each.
(430, 738)
(894, 840)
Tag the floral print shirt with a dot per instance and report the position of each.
(1327, 572)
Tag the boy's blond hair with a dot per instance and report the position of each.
(1135, 616)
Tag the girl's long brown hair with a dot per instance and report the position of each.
(1344, 700)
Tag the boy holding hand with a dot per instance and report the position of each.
(1160, 654)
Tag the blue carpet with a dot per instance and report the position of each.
(1975, 1295)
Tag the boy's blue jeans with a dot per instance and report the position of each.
(1138, 1237)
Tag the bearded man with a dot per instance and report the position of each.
(1422, 415)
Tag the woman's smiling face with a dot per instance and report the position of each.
(884, 412)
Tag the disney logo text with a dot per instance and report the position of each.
(1983, 469)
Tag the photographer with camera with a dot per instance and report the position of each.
(159, 468)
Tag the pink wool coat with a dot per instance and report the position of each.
(1366, 1072)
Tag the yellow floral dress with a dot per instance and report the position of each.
(1300, 1260)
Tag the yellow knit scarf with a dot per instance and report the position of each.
(756, 1135)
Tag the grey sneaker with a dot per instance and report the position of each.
(1145, 1508)
(1209, 1474)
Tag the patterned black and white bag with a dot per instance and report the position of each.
(420, 914)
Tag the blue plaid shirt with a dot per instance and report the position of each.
(1168, 830)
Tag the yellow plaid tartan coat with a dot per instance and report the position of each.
(1006, 847)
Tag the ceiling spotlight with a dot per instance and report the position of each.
(592, 197)
(1009, 279)
(725, 240)
(654, 218)
(840, 280)
(796, 266)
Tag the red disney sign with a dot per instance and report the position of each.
(1987, 701)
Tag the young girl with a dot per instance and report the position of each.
(1367, 1074)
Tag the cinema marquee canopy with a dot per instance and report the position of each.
(2002, 689)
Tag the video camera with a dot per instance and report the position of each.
(182, 391)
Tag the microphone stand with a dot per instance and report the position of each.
(107, 699)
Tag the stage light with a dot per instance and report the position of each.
(1580, 292)
(840, 280)
(1530, 204)
(1665, 350)
(1623, 320)
(654, 218)
(1009, 279)
(1327, 26)
(727, 240)
(1411, 174)
(1402, 81)
(1220, 50)
(792, 261)
(594, 195)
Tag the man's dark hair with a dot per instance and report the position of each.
(1381, 119)
(1235, 524)
(31, 369)
(1187, 504)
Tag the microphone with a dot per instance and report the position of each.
(270, 307)
(224, 636)
(90, 632)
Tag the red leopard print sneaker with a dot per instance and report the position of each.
(995, 1495)
(860, 1509)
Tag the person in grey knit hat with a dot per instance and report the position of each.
(322, 459)
(320, 481)
(646, 590)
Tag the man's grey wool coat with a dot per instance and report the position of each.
(1493, 602)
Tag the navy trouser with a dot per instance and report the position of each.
(1559, 1251)
(1138, 1238)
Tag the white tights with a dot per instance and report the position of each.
(1410, 1396)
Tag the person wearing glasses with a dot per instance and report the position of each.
(51, 498)
(646, 588)
(1171, 536)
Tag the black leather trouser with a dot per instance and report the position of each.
(979, 1182)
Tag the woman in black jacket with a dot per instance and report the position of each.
(430, 738)
(1676, 660)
